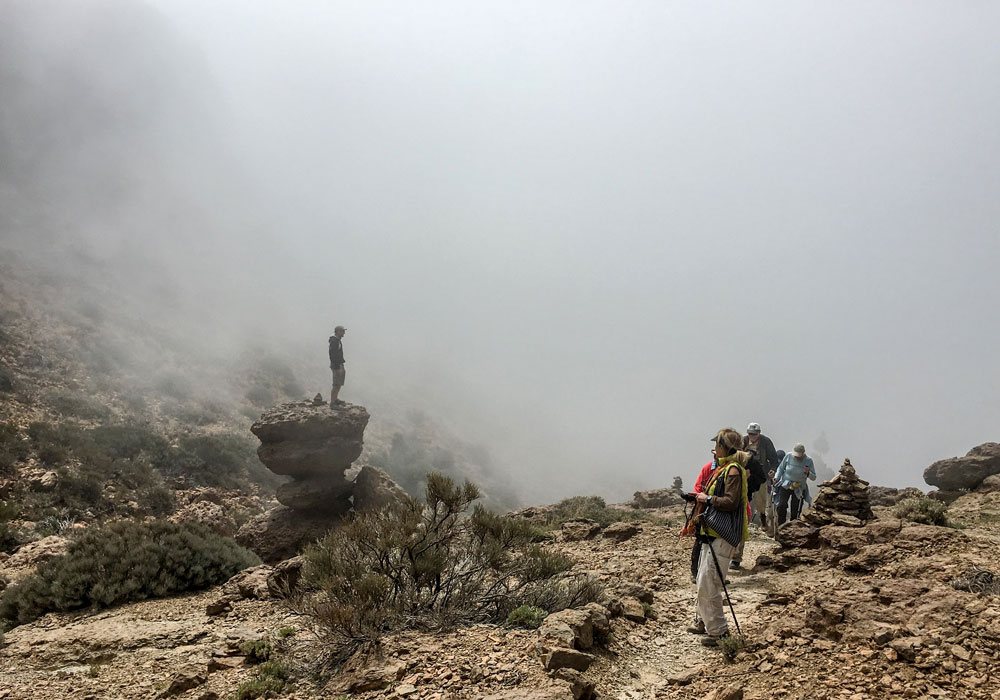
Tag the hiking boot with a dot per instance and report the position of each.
(710, 641)
(697, 628)
(735, 565)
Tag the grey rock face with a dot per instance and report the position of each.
(965, 472)
(374, 489)
(327, 495)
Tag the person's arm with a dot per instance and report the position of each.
(771, 453)
(734, 491)
(702, 480)
(811, 474)
(780, 474)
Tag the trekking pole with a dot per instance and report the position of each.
(724, 589)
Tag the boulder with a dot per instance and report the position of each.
(374, 489)
(325, 494)
(580, 529)
(990, 483)
(965, 473)
(567, 658)
(282, 533)
(249, 583)
(657, 498)
(284, 578)
(619, 532)
(797, 534)
(581, 688)
(184, 679)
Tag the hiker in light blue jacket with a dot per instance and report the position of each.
(790, 480)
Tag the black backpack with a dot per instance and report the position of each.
(756, 476)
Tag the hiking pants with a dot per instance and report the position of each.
(783, 496)
(758, 502)
(710, 595)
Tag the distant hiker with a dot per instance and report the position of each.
(722, 526)
(772, 500)
(337, 364)
(762, 449)
(790, 480)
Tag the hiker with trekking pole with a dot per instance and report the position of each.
(720, 523)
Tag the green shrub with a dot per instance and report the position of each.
(261, 687)
(589, 507)
(731, 645)
(286, 632)
(122, 562)
(922, 510)
(257, 650)
(430, 565)
(526, 616)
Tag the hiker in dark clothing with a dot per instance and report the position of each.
(337, 363)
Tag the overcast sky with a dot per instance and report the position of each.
(590, 234)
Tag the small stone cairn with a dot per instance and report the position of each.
(843, 500)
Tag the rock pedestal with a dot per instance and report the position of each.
(315, 444)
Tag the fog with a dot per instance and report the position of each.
(586, 235)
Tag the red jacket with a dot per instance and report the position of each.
(702, 481)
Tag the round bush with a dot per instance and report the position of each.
(123, 562)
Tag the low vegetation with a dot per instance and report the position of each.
(925, 511)
(589, 507)
(431, 565)
(122, 562)
(526, 616)
(270, 679)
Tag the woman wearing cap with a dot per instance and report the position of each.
(722, 526)
(790, 479)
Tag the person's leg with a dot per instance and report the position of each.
(783, 495)
(759, 505)
(695, 553)
(796, 506)
(710, 593)
(737, 557)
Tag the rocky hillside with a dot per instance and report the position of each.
(861, 608)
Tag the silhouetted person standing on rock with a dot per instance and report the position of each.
(337, 364)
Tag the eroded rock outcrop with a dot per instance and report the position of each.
(315, 445)
(965, 473)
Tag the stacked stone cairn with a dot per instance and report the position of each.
(843, 500)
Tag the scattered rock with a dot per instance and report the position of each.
(222, 606)
(633, 610)
(990, 484)
(630, 589)
(26, 559)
